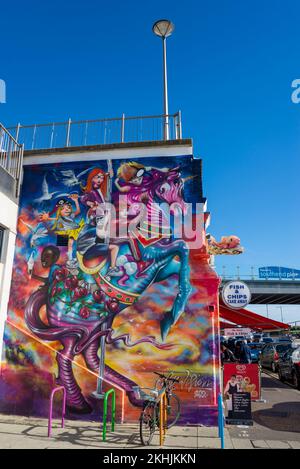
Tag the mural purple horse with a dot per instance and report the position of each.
(82, 298)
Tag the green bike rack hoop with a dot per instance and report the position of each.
(113, 412)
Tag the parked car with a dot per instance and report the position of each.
(289, 367)
(257, 337)
(255, 349)
(284, 339)
(267, 340)
(239, 337)
(271, 353)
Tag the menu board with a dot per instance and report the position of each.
(241, 409)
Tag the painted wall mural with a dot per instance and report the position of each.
(101, 276)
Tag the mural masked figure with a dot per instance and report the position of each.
(64, 225)
(82, 298)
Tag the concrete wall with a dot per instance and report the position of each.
(8, 220)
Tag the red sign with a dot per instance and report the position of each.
(242, 377)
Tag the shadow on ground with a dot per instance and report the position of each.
(284, 416)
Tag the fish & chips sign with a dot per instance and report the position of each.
(236, 294)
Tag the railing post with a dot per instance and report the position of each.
(113, 412)
(9, 156)
(16, 148)
(179, 125)
(175, 125)
(2, 149)
(52, 136)
(123, 128)
(18, 131)
(68, 132)
(33, 138)
(19, 169)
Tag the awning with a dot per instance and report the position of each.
(224, 324)
(246, 318)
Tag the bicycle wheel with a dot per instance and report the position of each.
(173, 409)
(148, 422)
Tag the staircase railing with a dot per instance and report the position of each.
(11, 156)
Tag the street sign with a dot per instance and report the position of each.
(236, 294)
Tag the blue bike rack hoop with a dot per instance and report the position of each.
(221, 420)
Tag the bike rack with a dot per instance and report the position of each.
(58, 388)
(162, 418)
(113, 412)
(221, 420)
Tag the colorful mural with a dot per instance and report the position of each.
(228, 245)
(98, 261)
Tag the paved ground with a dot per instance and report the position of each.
(276, 421)
(276, 425)
(21, 432)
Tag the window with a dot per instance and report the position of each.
(282, 348)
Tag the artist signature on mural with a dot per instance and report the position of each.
(191, 381)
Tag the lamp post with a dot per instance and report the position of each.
(267, 311)
(280, 307)
(164, 29)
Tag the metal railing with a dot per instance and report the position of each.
(97, 132)
(11, 155)
(254, 272)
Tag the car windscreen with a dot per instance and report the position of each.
(282, 348)
(255, 346)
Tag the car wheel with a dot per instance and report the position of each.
(280, 375)
(274, 367)
(296, 380)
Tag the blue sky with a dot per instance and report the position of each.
(231, 65)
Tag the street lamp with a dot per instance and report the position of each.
(280, 307)
(164, 29)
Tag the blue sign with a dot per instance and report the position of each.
(278, 272)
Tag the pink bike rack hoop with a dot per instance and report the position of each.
(58, 388)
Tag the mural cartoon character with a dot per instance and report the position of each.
(83, 298)
(95, 197)
(64, 224)
(132, 174)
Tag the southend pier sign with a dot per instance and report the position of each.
(279, 272)
(236, 294)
